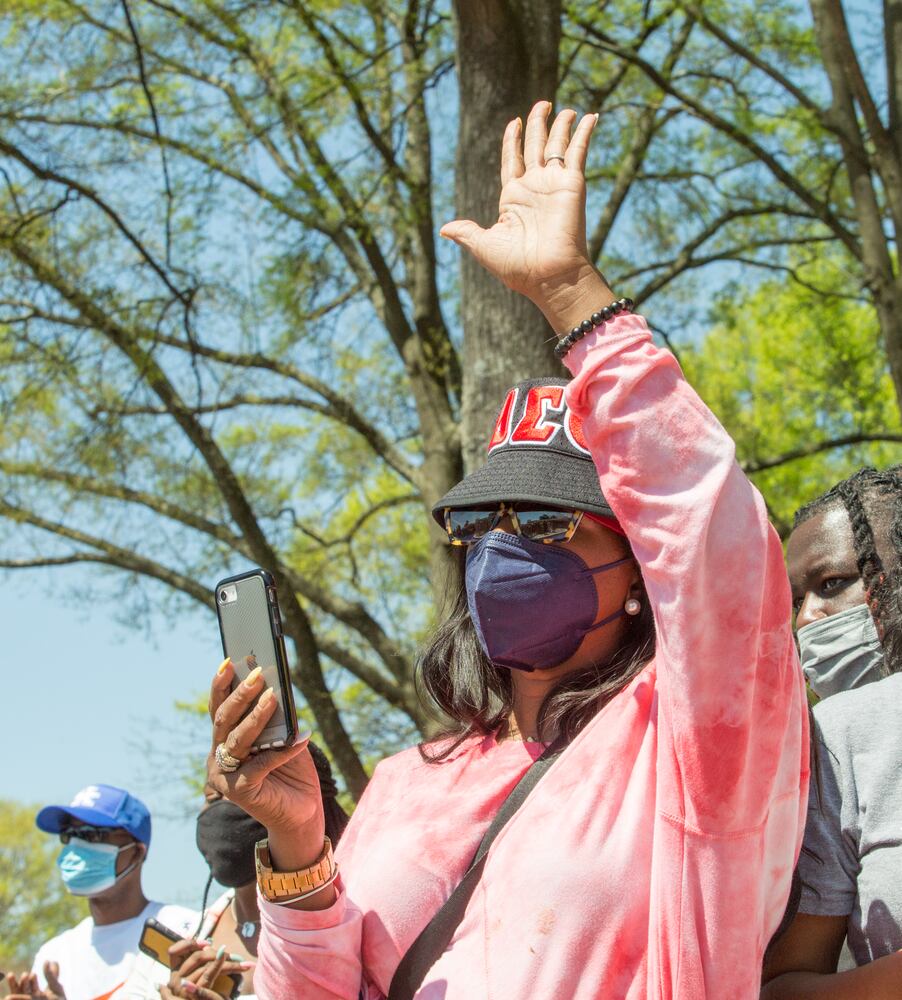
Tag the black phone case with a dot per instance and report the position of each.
(251, 632)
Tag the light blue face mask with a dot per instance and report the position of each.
(89, 869)
(841, 652)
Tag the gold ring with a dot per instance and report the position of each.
(225, 761)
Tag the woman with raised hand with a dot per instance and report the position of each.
(845, 567)
(622, 648)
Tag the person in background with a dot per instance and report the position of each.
(846, 574)
(105, 836)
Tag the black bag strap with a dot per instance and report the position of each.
(436, 935)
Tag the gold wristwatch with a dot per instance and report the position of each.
(278, 887)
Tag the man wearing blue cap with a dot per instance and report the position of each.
(105, 834)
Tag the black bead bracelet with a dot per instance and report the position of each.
(588, 325)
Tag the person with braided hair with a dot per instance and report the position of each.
(845, 567)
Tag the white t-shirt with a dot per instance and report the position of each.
(95, 961)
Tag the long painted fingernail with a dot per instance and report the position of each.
(304, 736)
(223, 666)
(221, 951)
(266, 697)
(189, 987)
(253, 676)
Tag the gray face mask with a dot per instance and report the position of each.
(841, 652)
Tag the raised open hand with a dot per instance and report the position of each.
(538, 245)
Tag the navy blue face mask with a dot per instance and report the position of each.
(532, 604)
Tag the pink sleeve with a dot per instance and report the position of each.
(732, 718)
(311, 954)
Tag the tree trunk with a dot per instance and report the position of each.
(507, 58)
(864, 161)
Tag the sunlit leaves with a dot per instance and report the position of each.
(34, 906)
(786, 368)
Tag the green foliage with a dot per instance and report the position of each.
(227, 198)
(34, 906)
(243, 214)
(786, 368)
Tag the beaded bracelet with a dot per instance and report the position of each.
(588, 325)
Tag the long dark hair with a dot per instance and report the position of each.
(871, 497)
(474, 697)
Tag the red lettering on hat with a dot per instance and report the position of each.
(534, 426)
(503, 424)
(574, 429)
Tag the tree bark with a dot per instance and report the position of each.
(507, 58)
(846, 82)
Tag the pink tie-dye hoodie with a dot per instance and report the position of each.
(654, 858)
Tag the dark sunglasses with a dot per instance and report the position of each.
(538, 524)
(90, 834)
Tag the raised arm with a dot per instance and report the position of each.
(733, 728)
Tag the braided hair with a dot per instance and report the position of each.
(869, 496)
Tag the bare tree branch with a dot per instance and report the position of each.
(400, 697)
(753, 59)
(106, 552)
(751, 466)
(71, 184)
(387, 504)
(145, 86)
(818, 207)
(349, 613)
(297, 624)
(337, 406)
(649, 122)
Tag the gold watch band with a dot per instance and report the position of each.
(278, 886)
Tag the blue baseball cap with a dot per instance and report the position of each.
(100, 805)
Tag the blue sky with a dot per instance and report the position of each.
(82, 695)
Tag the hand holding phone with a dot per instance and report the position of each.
(157, 940)
(280, 788)
(250, 625)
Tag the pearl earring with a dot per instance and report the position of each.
(632, 606)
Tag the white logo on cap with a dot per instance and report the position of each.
(87, 797)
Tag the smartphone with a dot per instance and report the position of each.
(156, 939)
(251, 628)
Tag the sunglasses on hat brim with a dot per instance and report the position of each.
(537, 523)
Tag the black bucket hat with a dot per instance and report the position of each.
(537, 454)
